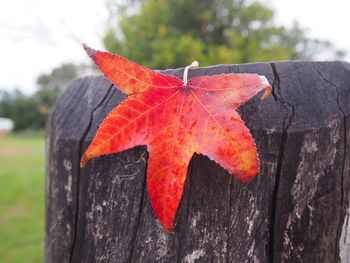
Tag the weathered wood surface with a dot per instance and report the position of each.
(296, 210)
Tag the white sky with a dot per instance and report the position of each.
(37, 35)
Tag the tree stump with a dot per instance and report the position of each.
(296, 210)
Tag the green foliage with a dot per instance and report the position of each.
(28, 112)
(173, 33)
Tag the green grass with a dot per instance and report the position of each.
(22, 198)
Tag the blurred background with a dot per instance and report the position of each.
(40, 51)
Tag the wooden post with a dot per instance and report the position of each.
(296, 210)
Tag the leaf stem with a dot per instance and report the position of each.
(194, 64)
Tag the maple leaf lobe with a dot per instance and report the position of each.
(174, 121)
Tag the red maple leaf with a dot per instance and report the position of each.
(176, 119)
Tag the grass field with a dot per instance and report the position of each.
(22, 198)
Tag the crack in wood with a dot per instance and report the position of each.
(289, 114)
(229, 221)
(77, 192)
(342, 215)
(138, 218)
(189, 178)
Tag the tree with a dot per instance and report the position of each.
(59, 77)
(173, 33)
(23, 110)
(30, 112)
